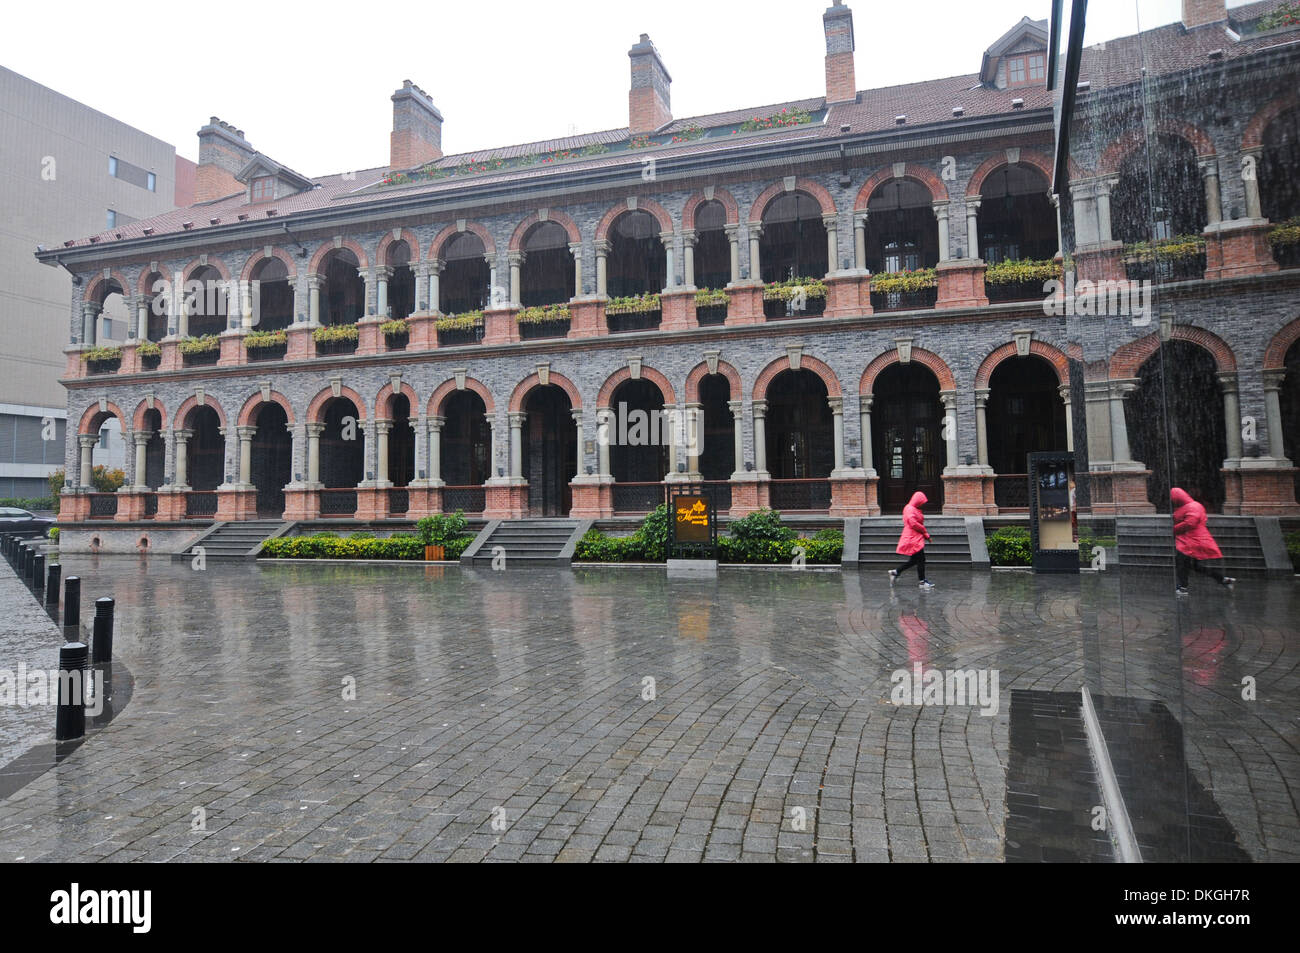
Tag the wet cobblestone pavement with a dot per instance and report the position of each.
(503, 717)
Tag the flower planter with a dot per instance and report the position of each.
(435, 553)
(531, 330)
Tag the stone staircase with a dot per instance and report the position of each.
(235, 540)
(527, 542)
(950, 543)
(1147, 542)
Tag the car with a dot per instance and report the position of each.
(24, 522)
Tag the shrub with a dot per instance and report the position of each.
(459, 322)
(54, 534)
(259, 339)
(106, 480)
(335, 332)
(29, 503)
(760, 525)
(888, 282)
(56, 481)
(329, 546)
(395, 328)
(149, 349)
(441, 529)
(1010, 546)
(652, 535)
(1293, 549)
(200, 345)
(710, 297)
(1014, 272)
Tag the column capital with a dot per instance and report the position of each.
(602, 246)
(576, 414)
(141, 437)
(1065, 391)
(1121, 388)
(666, 238)
(860, 218)
(759, 407)
(831, 220)
(982, 396)
(435, 421)
(382, 426)
(575, 248)
(755, 230)
(184, 434)
(315, 282)
(836, 405)
(87, 440)
(246, 431)
(383, 272)
(314, 428)
(1209, 166)
(737, 407)
(940, 210)
(688, 236)
(517, 418)
(1273, 378)
(732, 231)
(949, 398)
(515, 258)
(1227, 381)
(865, 401)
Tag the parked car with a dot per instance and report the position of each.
(24, 522)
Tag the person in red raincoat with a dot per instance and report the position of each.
(912, 541)
(1193, 542)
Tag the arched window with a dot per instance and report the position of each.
(902, 233)
(274, 296)
(546, 276)
(1279, 193)
(800, 441)
(206, 304)
(793, 243)
(343, 299)
(636, 263)
(463, 283)
(1160, 193)
(1016, 218)
(401, 282)
(712, 249)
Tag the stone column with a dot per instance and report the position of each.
(575, 249)
(737, 408)
(314, 430)
(694, 421)
(864, 419)
(755, 265)
(1213, 201)
(1231, 413)
(577, 422)
(670, 418)
(832, 224)
(382, 429)
(1103, 207)
(1251, 184)
(982, 425)
(436, 423)
(759, 410)
(422, 286)
(246, 434)
(670, 264)
(142, 322)
(516, 259)
(972, 226)
(837, 415)
(860, 240)
(1069, 417)
(1120, 452)
(516, 444)
(492, 444)
(688, 257)
(733, 242)
(382, 274)
(941, 214)
(435, 284)
(86, 442)
(1273, 413)
(89, 312)
(141, 438)
(182, 457)
(602, 261)
(949, 399)
(604, 421)
(314, 283)
(495, 299)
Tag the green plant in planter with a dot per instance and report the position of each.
(710, 297)
(545, 312)
(890, 282)
(633, 304)
(459, 322)
(1021, 272)
(441, 529)
(203, 344)
(785, 290)
(149, 349)
(395, 328)
(1166, 249)
(335, 332)
(105, 352)
(1285, 233)
(1010, 546)
(786, 117)
(595, 149)
(264, 339)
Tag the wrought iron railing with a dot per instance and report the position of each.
(201, 358)
(710, 315)
(1189, 268)
(103, 506)
(460, 337)
(800, 494)
(637, 497)
(1287, 256)
(775, 309)
(904, 300)
(343, 346)
(399, 500)
(397, 342)
(201, 503)
(109, 366)
(467, 499)
(1011, 491)
(720, 490)
(150, 362)
(635, 321)
(275, 352)
(338, 502)
(532, 330)
(1014, 291)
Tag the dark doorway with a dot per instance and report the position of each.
(154, 451)
(342, 445)
(549, 451)
(1025, 413)
(718, 452)
(906, 428)
(272, 459)
(1290, 399)
(466, 440)
(800, 441)
(401, 442)
(207, 450)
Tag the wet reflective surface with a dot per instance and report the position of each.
(770, 734)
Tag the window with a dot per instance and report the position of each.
(1026, 69)
(1016, 71)
(1037, 67)
(112, 219)
(264, 188)
(103, 438)
(153, 182)
(112, 165)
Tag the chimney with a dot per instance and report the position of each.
(417, 128)
(648, 101)
(1200, 12)
(223, 151)
(837, 21)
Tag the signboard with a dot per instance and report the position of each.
(693, 523)
(1053, 522)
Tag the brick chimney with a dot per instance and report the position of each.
(417, 128)
(837, 21)
(223, 151)
(1201, 12)
(648, 101)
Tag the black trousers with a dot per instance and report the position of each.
(1185, 565)
(917, 559)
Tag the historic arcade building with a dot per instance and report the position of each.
(842, 296)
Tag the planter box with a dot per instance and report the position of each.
(435, 553)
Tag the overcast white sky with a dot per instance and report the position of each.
(309, 83)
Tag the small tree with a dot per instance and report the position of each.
(56, 481)
(105, 480)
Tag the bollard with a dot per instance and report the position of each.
(72, 603)
(23, 555)
(38, 572)
(52, 586)
(70, 716)
(103, 631)
(29, 562)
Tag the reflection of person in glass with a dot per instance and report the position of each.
(1193, 542)
(912, 541)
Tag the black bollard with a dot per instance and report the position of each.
(52, 586)
(103, 631)
(38, 572)
(29, 562)
(72, 603)
(70, 716)
(24, 554)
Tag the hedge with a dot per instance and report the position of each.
(1012, 546)
(329, 546)
(25, 503)
(757, 538)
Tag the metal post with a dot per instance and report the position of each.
(38, 572)
(103, 631)
(24, 561)
(70, 716)
(52, 587)
(72, 603)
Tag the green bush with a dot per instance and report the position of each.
(441, 529)
(54, 534)
(652, 535)
(56, 480)
(1293, 549)
(821, 549)
(760, 526)
(29, 503)
(361, 534)
(1010, 546)
(759, 543)
(323, 546)
(106, 480)
(1086, 544)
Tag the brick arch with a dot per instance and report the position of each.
(255, 401)
(1030, 157)
(927, 359)
(444, 236)
(701, 371)
(363, 263)
(643, 205)
(552, 215)
(213, 262)
(1060, 363)
(807, 363)
(801, 184)
(1115, 153)
(1275, 353)
(1128, 358)
(386, 394)
(728, 201)
(1253, 136)
(408, 236)
(917, 173)
(532, 380)
(448, 387)
(624, 374)
(142, 408)
(144, 287)
(93, 287)
(93, 417)
(318, 403)
(190, 403)
(290, 265)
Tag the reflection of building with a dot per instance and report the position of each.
(68, 170)
(849, 287)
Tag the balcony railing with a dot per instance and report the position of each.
(150, 362)
(904, 300)
(1011, 491)
(107, 366)
(341, 502)
(778, 310)
(275, 352)
(103, 506)
(468, 499)
(1014, 291)
(637, 497)
(1189, 268)
(201, 503)
(1288, 255)
(532, 330)
(399, 500)
(340, 346)
(634, 321)
(461, 337)
(710, 315)
(809, 495)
